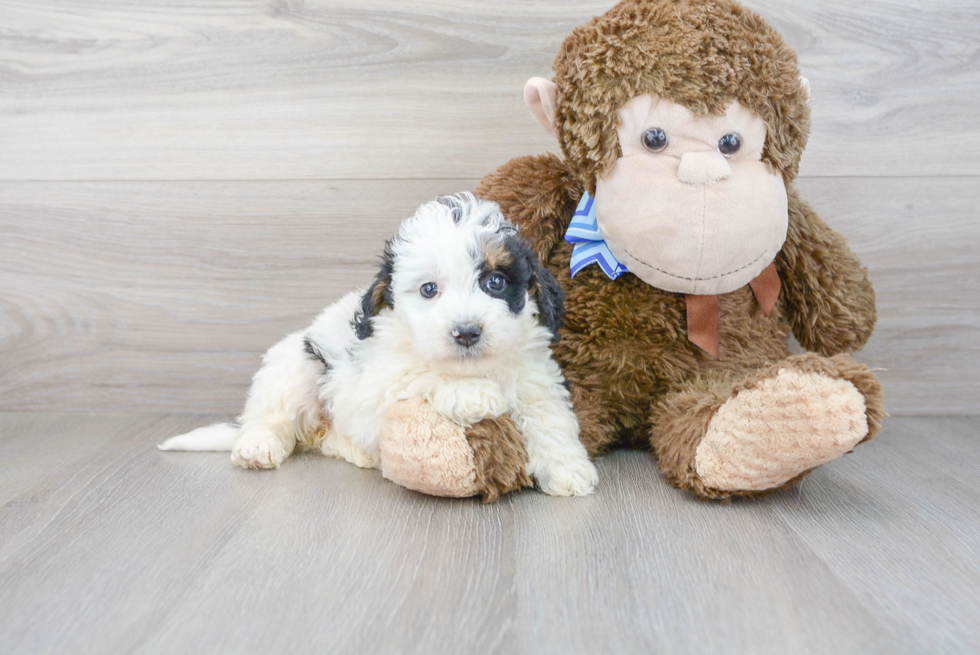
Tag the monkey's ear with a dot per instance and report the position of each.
(377, 297)
(805, 83)
(541, 97)
(548, 295)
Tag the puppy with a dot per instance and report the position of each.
(461, 314)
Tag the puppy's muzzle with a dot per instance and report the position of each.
(467, 335)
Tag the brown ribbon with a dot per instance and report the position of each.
(702, 322)
(766, 288)
(702, 311)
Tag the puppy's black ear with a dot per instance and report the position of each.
(377, 297)
(548, 295)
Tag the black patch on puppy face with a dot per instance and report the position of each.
(513, 258)
(314, 353)
(378, 296)
(503, 257)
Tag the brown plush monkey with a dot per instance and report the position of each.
(682, 124)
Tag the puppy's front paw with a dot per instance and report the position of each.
(256, 449)
(470, 402)
(572, 477)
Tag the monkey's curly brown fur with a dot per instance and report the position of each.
(500, 457)
(702, 55)
(636, 378)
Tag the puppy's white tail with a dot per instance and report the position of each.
(220, 436)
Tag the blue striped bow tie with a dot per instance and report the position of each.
(590, 246)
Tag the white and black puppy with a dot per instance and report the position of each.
(460, 314)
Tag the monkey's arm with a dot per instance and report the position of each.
(538, 194)
(829, 301)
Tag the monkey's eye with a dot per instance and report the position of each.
(655, 139)
(729, 144)
(495, 283)
(429, 290)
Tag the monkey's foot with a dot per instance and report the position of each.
(778, 427)
(423, 450)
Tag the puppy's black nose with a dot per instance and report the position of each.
(467, 335)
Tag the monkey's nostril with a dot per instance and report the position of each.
(467, 335)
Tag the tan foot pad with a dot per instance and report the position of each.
(424, 451)
(782, 426)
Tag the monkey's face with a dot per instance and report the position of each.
(691, 207)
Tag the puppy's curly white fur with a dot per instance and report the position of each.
(461, 314)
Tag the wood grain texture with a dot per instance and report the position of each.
(913, 497)
(116, 547)
(921, 241)
(317, 89)
(162, 296)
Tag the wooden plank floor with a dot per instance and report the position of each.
(107, 545)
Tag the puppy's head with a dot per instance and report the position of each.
(462, 284)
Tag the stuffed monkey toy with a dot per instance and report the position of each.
(687, 255)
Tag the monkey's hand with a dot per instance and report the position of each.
(423, 450)
(829, 301)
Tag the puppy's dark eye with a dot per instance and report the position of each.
(429, 290)
(655, 139)
(495, 283)
(729, 144)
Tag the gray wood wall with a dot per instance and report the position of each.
(184, 181)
